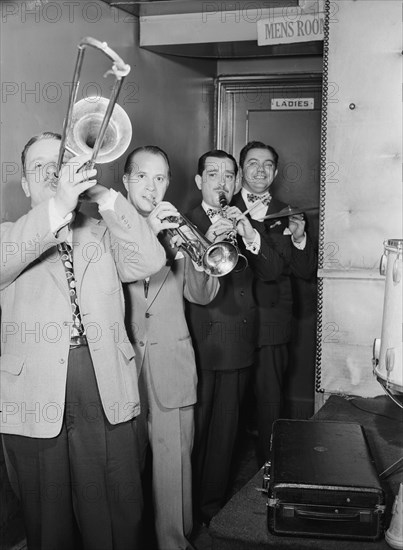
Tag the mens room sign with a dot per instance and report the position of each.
(304, 28)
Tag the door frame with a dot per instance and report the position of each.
(227, 86)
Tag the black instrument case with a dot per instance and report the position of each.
(323, 481)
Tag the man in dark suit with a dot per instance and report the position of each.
(287, 235)
(224, 332)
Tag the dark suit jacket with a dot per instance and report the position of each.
(224, 332)
(274, 298)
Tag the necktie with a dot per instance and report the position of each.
(65, 250)
(265, 198)
(211, 213)
(146, 284)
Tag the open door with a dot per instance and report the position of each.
(285, 112)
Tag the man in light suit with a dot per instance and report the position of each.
(161, 339)
(69, 389)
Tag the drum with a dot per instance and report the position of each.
(388, 350)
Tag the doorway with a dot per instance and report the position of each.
(285, 112)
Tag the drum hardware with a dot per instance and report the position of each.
(387, 350)
(289, 211)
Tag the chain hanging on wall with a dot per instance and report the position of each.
(322, 199)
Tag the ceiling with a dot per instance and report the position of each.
(216, 50)
(164, 7)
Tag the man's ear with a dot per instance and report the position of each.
(198, 180)
(25, 186)
(275, 173)
(238, 183)
(125, 178)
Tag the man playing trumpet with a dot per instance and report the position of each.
(161, 339)
(223, 332)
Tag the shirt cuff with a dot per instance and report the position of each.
(57, 221)
(253, 246)
(301, 245)
(108, 203)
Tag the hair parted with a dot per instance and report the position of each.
(153, 149)
(256, 145)
(218, 153)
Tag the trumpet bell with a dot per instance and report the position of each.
(87, 117)
(220, 259)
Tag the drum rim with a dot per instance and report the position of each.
(390, 385)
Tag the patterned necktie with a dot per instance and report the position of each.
(65, 250)
(265, 198)
(211, 213)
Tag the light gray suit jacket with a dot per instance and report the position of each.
(158, 323)
(36, 313)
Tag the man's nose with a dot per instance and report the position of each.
(50, 171)
(150, 184)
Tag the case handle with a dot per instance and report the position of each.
(326, 516)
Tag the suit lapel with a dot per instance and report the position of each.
(57, 271)
(87, 235)
(156, 282)
(200, 219)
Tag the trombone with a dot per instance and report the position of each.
(95, 123)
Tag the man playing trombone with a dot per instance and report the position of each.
(69, 393)
(224, 331)
(164, 353)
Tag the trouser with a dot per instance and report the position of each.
(170, 434)
(220, 395)
(271, 365)
(81, 489)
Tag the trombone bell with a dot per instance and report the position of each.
(87, 117)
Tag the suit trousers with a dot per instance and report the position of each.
(270, 368)
(219, 399)
(170, 434)
(81, 489)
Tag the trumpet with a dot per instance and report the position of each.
(95, 124)
(216, 259)
(242, 262)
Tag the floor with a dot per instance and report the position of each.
(244, 467)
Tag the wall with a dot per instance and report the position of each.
(282, 64)
(167, 99)
(362, 193)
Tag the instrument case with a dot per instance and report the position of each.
(323, 481)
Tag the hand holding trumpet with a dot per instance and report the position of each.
(242, 224)
(161, 217)
(219, 230)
